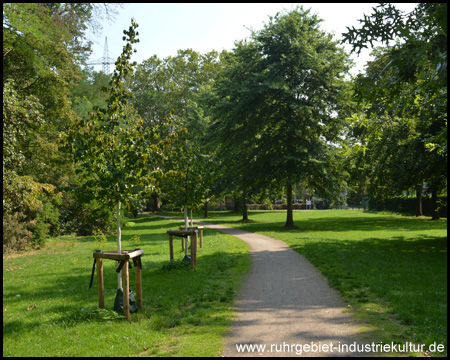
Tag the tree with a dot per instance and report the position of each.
(173, 86)
(88, 92)
(416, 69)
(116, 156)
(407, 84)
(187, 179)
(44, 45)
(281, 100)
(21, 193)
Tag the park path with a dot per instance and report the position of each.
(285, 303)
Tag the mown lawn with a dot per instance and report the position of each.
(391, 269)
(49, 310)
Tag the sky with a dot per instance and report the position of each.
(165, 28)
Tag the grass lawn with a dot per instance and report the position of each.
(391, 269)
(49, 310)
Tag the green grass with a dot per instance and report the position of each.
(391, 269)
(49, 310)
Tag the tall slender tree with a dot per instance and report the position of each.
(116, 155)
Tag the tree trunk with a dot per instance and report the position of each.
(119, 245)
(435, 204)
(156, 202)
(237, 206)
(206, 209)
(244, 210)
(186, 224)
(419, 203)
(290, 217)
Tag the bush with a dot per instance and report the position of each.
(137, 206)
(407, 205)
(83, 219)
(16, 236)
(46, 222)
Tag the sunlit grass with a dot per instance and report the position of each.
(391, 269)
(49, 310)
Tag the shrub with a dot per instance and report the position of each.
(84, 218)
(16, 236)
(137, 206)
(407, 204)
(46, 222)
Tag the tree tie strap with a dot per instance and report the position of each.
(121, 264)
(137, 262)
(92, 275)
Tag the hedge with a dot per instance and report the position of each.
(403, 204)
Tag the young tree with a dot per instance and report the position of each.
(187, 179)
(116, 155)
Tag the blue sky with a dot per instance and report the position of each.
(167, 27)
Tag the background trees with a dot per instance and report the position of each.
(43, 48)
(174, 85)
(266, 116)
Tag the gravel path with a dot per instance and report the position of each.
(287, 305)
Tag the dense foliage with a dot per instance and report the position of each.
(272, 115)
(402, 128)
(283, 93)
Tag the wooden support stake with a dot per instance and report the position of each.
(196, 248)
(101, 293)
(171, 247)
(201, 238)
(126, 290)
(193, 250)
(138, 284)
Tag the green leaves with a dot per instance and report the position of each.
(116, 153)
(20, 116)
(404, 94)
(188, 177)
(276, 97)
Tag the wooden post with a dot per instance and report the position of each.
(196, 247)
(126, 290)
(138, 284)
(119, 244)
(182, 243)
(171, 247)
(201, 238)
(193, 250)
(101, 293)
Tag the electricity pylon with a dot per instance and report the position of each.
(105, 61)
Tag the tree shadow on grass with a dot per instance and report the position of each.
(174, 297)
(345, 224)
(409, 276)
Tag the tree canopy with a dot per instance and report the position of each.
(280, 105)
(404, 95)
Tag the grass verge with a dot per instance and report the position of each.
(49, 310)
(390, 269)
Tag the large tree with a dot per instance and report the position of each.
(281, 102)
(44, 45)
(404, 92)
